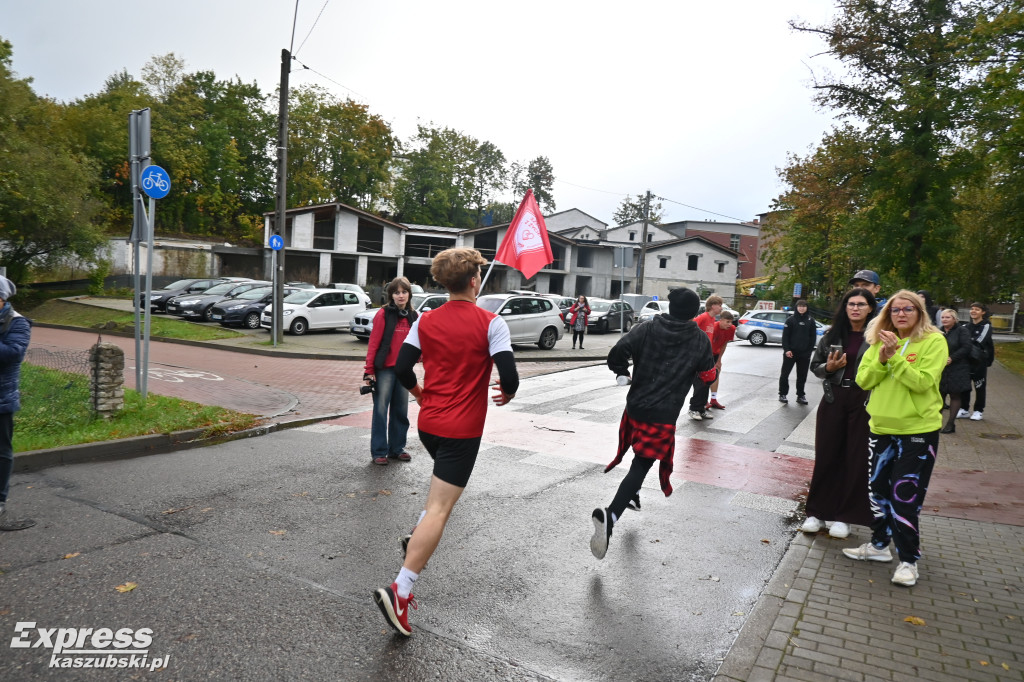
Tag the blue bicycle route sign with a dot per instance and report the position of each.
(276, 242)
(155, 182)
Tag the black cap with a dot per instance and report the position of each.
(683, 303)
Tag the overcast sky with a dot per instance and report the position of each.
(698, 102)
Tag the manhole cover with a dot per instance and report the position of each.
(1001, 436)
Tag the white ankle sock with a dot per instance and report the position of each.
(714, 396)
(404, 581)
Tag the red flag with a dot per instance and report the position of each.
(525, 246)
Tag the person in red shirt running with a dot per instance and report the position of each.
(724, 333)
(459, 343)
(707, 323)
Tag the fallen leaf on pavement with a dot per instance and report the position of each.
(127, 587)
(1005, 666)
(983, 662)
(767, 542)
(175, 511)
(278, 532)
(72, 555)
(914, 620)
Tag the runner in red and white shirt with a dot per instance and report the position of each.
(459, 343)
(724, 332)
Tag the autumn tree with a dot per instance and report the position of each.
(631, 210)
(47, 193)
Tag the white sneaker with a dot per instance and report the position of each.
(839, 530)
(906, 575)
(867, 552)
(962, 414)
(811, 525)
(695, 416)
(976, 417)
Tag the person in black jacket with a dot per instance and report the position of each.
(956, 378)
(15, 332)
(798, 339)
(667, 353)
(981, 335)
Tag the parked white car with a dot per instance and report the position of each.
(315, 309)
(362, 323)
(651, 309)
(530, 319)
(356, 289)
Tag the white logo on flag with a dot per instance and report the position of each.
(528, 235)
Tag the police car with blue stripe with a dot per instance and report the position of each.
(765, 326)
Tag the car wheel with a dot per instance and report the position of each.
(299, 326)
(602, 326)
(208, 314)
(757, 338)
(548, 337)
(629, 324)
(252, 321)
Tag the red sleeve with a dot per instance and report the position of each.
(375, 336)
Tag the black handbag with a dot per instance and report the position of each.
(978, 354)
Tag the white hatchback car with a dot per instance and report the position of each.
(315, 309)
(362, 323)
(530, 319)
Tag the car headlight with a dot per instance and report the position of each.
(156, 298)
(286, 313)
(191, 301)
(236, 307)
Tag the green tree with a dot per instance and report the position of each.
(540, 177)
(631, 210)
(337, 151)
(40, 222)
(447, 178)
(904, 80)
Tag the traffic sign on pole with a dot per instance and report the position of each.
(276, 242)
(155, 182)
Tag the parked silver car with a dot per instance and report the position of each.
(530, 319)
(652, 308)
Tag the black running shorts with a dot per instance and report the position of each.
(454, 458)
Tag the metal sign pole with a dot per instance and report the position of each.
(151, 227)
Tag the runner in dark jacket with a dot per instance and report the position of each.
(667, 353)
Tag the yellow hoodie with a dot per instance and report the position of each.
(905, 396)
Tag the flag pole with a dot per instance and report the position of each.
(488, 274)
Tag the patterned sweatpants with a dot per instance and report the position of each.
(901, 467)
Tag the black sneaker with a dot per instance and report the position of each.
(801, 400)
(783, 398)
(634, 504)
(602, 532)
(404, 544)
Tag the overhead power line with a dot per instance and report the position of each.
(310, 28)
(326, 77)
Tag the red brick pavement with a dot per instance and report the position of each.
(254, 384)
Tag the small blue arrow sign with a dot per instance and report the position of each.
(155, 182)
(276, 242)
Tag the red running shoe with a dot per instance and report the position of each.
(394, 608)
(715, 404)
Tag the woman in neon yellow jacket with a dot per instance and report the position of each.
(902, 369)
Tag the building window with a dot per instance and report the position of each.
(632, 236)
(584, 258)
(369, 237)
(691, 261)
(663, 263)
(734, 242)
(650, 236)
(721, 267)
(323, 231)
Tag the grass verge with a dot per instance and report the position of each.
(94, 317)
(1012, 356)
(56, 412)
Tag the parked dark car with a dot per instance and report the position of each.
(198, 306)
(607, 315)
(244, 310)
(158, 298)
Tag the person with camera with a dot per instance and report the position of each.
(838, 495)
(982, 354)
(391, 325)
(460, 344)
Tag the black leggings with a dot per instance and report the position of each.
(577, 335)
(630, 485)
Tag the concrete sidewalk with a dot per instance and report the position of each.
(825, 617)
